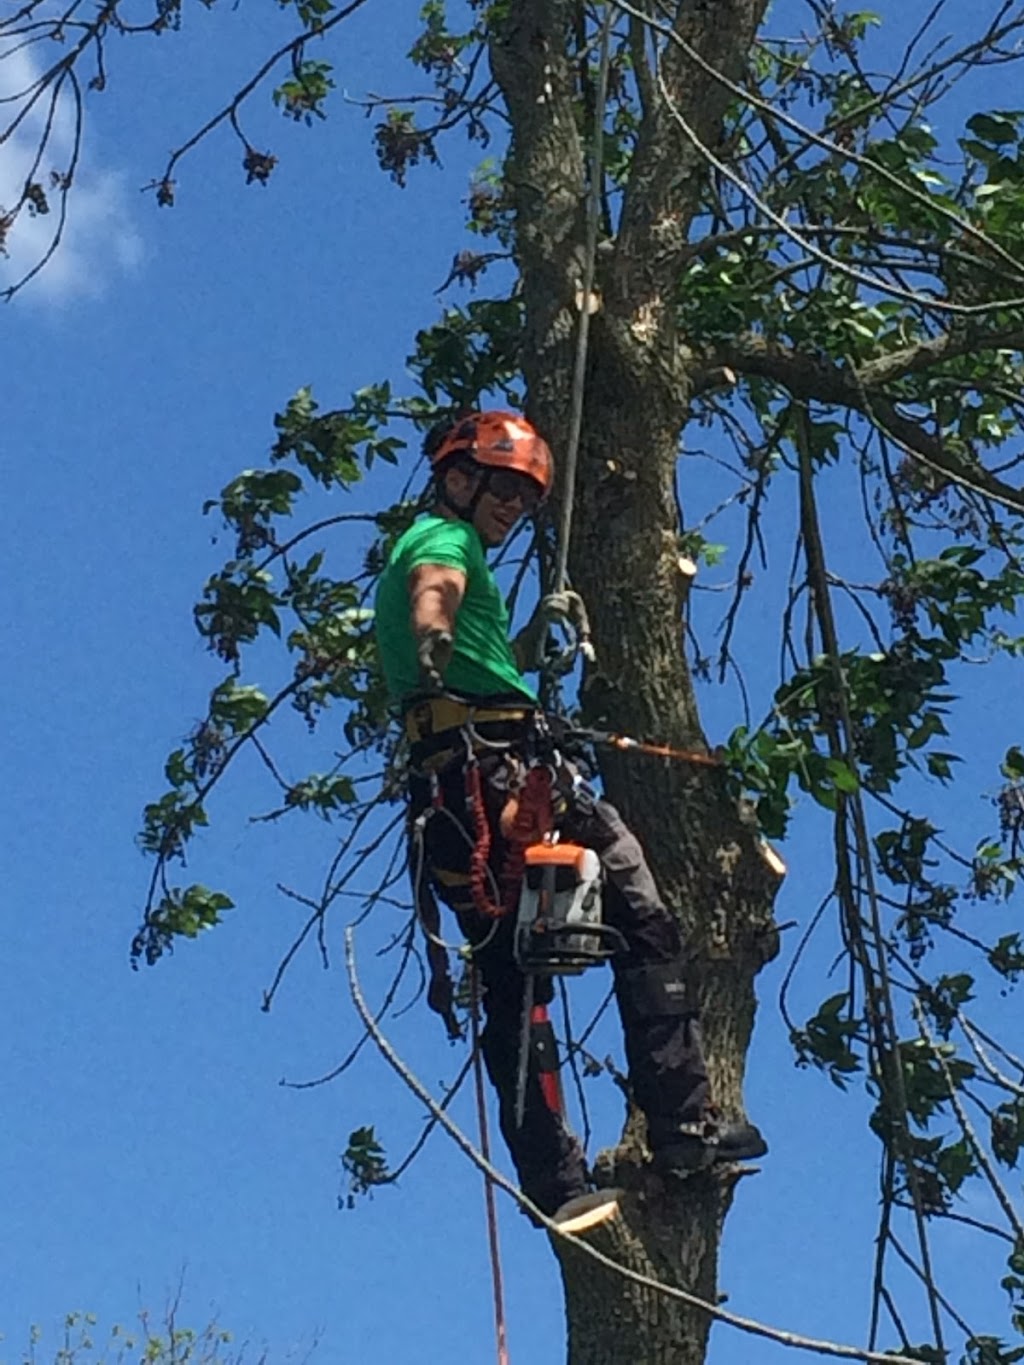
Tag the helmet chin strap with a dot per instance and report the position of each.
(468, 512)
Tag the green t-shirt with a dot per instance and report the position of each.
(482, 660)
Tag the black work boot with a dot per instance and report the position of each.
(685, 1147)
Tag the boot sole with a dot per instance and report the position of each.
(710, 1156)
(748, 1153)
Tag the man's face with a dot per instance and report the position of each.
(507, 495)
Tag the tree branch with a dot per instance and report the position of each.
(437, 1112)
(923, 355)
(230, 110)
(667, 177)
(816, 379)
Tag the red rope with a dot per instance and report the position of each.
(531, 824)
(478, 862)
(500, 1333)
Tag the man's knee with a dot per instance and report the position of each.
(620, 851)
(632, 902)
(655, 990)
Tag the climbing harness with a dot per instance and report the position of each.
(479, 859)
(552, 888)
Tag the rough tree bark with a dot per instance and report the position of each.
(624, 560)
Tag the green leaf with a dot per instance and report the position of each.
(178, 914)
(826, 1040)
(1007, 956)
(323, 793)
(237, 708)
(364, 1162)
(301, 98)
(995, 127)
(945, 997)
(843, 777)
(939, 765)
(1007, 1131)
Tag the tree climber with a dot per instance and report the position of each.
(473, 723)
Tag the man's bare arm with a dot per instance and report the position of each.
(435, 595)
(435, 592)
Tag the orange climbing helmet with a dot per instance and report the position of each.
(498, 440)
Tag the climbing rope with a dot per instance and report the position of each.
(604, 739)
(528, 819)
(500, 1332)
(583, 331)
(479, 859)
(578, 623)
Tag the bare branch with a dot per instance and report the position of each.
(749, 1325)
(1014, 1219)
(291, 49)
(971, 231)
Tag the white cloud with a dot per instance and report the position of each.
(99, 241)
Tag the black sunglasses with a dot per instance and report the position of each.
(508, 485)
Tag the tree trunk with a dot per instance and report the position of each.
(624, 559)
(711, 871)
(612, 1320)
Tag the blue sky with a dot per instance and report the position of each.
(145, 1129)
